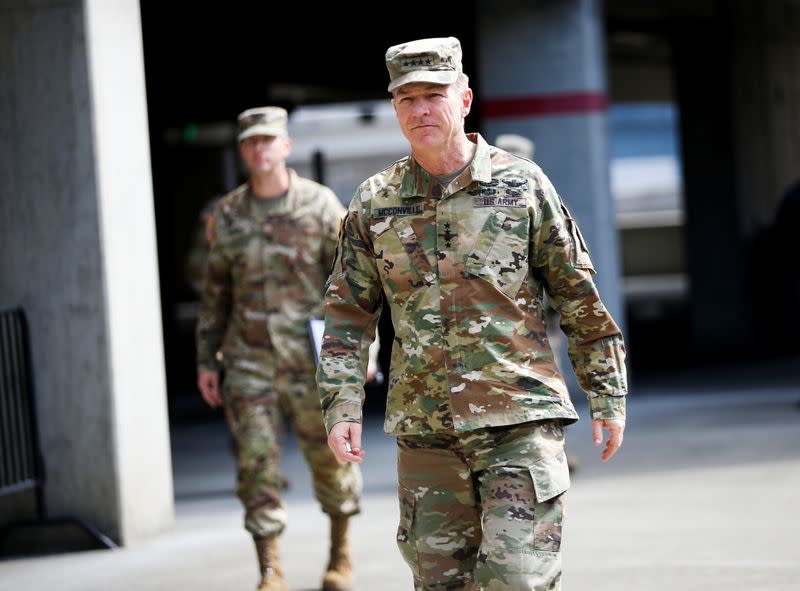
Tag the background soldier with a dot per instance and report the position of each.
(195, 273)
(516, 144)
(273, 241)
(464, 239)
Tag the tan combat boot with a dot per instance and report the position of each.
(269, 565)
(339, 576)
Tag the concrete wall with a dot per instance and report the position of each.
(77, 251)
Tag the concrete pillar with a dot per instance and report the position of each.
(541, 74)
(77, 251)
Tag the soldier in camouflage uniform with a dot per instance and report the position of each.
(464, 239)
(273, 241)
(516, 144)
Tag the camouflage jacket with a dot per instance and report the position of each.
(464, 269)
(266, 275)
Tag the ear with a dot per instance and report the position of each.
(466, 102)
(287, 146)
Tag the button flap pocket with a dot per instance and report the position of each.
(414, 249)
(500, 254)
(550, 476)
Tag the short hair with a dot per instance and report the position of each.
(462, 83)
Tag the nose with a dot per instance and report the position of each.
(421, 107)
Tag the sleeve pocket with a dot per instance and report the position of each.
(580, 251)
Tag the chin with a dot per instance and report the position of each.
(428, 141)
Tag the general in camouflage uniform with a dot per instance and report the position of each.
(272, 246)
(464, 240)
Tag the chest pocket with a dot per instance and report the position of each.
(500, 255)
(248, 276)
(244, 248)
(297, 241)
(401, 258)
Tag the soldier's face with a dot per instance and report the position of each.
(430, 114)
(263, 153)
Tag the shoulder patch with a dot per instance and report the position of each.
(211, 230)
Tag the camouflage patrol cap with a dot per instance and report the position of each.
(263, 121)
(516, 144)
(436, 60)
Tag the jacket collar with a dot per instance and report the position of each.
(287, 205)
(418, 182)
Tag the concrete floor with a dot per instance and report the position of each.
(703, 495)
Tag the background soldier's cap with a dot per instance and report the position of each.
(263, 121)
(436, 60)
(516, 144)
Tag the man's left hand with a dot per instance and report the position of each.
(344, 440)
(615, 427)
(372, 370)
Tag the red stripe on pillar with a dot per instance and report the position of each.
(566, 103)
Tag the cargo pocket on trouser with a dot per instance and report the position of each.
(406, 540)
(550, 480)
(522, 520)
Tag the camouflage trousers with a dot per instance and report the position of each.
(483, 509)
(255, 411)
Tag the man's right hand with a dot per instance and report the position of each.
(345, 442)
(208, 383)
